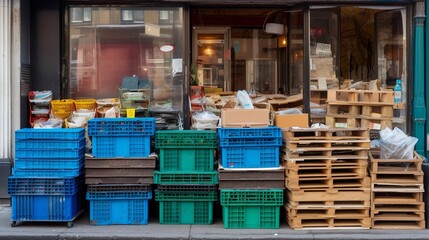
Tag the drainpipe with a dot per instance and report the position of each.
(419, 108)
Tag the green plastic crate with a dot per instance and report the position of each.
(185, 177)
(251, 216)
(186, 139)
(186, 159)
(251, 197)
(196, 196)
(188, 212)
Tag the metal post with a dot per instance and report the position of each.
(419, 107)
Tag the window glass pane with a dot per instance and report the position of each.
(127, 15)
(87, 14)
(107, 51)
(139, 16)
(76, 14)
(296, 56)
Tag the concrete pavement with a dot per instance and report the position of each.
(82, 230)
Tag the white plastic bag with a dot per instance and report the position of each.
(244, 99)
(395, 144)
(205, 120)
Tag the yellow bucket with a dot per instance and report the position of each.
(131, 112)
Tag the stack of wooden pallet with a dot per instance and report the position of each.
(359, 108)
(397, 192)
(326, 180)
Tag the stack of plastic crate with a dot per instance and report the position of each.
(47, 178)
(256, 204)
(120, 171)
(186, 177)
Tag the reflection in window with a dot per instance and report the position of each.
(81, 14)
(107, 51)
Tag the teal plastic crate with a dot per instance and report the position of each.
(196, 196)
(185, 177)
(186, 159)
(186, 212)
(251, 217)
(185, 139)
(251, 197)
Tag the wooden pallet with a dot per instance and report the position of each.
(337, 152)
(326, 212)
(326, 143)
(328, 223)
(380, 208)
(362, 96)
(354, 121)
(329, 198)
(378, 165)
(298, 134)
(402, 220)
(329, 162)
(322, 183)
(396, 187)
(329, 172)
(396, 197)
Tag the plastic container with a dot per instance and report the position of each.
(266, 132)
(85, 103)
(121, 127)
(51, 134)
(54, 173)
(191, 178)
(189, 207)
(185, 139)
(188, 212)
(397, 91)
(44, 186)
(257, 197)
(50, 153)
(62, 108)
(45, 207)
(107, 208)
(250, 157)
(259, 217)
(186, 159)
(48, 163)
(50, 144)
(120, 146)
(118, 211)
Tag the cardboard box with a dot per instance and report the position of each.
(245, 117)
(291, 120)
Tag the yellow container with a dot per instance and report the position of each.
(86, 103)
(62, 108)
(131, 112)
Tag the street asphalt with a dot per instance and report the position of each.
(82, 230)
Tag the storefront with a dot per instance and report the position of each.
(81, 49)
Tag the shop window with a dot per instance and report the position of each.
(132, 16)
(105, 52)
(80, 14)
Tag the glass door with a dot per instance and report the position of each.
(211, 56)
(391, 55)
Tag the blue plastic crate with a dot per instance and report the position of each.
(120, 146)
(44, 186)
(50, 133)
(121, 126)
(54, 173)
(118, 195)
(50, 144)
(50, 153)
(250, 157)
(246, 137)
(48, 163)
(118, 211)
(45, 207)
